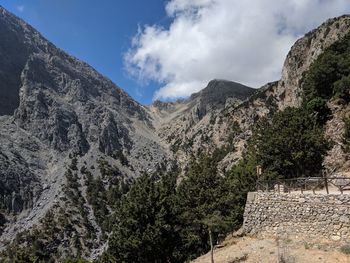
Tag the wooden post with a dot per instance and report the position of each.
(301, 188)
(211, 245)
(326, 184)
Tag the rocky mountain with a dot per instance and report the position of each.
(60, 117)
(173, 120)
(70, 138)
(232, 124)
(55, 108)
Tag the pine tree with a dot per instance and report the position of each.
(292, 145)
(145, 230)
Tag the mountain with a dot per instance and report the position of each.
(178, 123)
(232, 124)
(72, 142)
(65, 127)
(55, 108)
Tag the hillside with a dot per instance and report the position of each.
(58, 109)
(175, 122)
(250, 250)
(232, 125)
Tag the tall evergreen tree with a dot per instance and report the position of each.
(145, 229)
(292, 145)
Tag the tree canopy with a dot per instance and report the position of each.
(291, 145)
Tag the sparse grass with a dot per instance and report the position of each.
(284, 259)
(239, 259)
(307, 245)
(345, 249)
(288, 241)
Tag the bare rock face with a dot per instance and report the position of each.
(13, 59)
(217, 94)
(20, 169)
(54, 107)
(305, 51)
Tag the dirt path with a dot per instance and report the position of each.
(254, 250)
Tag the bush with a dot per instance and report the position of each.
(345, 249)
(342, 88)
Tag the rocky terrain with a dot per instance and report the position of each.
(232, 123)
(184, 124)
(53, 108)
(61, 121)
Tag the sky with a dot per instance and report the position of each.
(167, 49)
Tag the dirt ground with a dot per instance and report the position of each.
(271, 250)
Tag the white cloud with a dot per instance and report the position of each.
(20, 8)
(244, 41)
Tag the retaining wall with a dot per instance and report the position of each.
(310, 215)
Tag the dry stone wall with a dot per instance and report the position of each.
(310, 215)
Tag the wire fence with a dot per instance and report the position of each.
(303, 184)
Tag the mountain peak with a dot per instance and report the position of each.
(218, 91)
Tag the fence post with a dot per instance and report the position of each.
(326, 184)
(301, 187)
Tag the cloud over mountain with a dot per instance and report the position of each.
(245, 41)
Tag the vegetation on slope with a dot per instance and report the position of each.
(327, 78)
(164, 219)
(66, 230)
(159, 221)
(292, 145)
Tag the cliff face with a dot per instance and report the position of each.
(53, 108)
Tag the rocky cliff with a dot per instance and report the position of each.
(54, 108)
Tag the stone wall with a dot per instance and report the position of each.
(311, 215)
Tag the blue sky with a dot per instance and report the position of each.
(98, 32)
(167, 49)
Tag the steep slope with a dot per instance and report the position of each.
(177, 123)
(56, 109)
(231, 125)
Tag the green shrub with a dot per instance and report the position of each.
(342, 88)
(345, 249)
